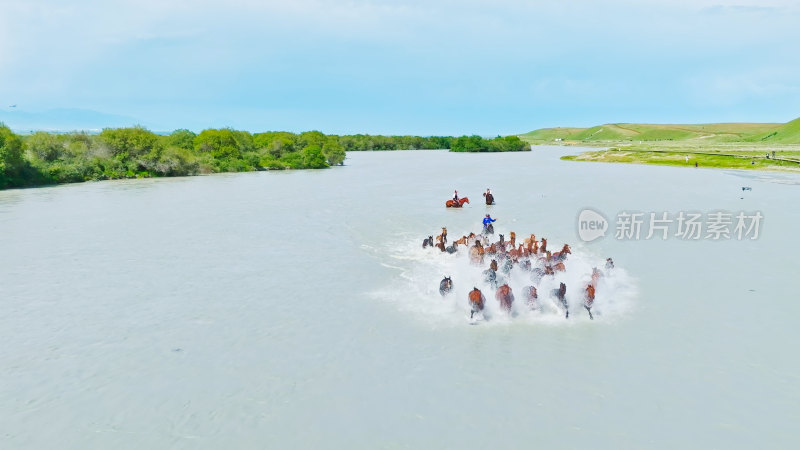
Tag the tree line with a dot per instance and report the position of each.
(49, 158)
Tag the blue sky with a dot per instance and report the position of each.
(396, 67)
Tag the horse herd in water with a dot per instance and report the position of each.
(530, 255)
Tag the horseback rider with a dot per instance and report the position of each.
(455, 196)
(488, 220)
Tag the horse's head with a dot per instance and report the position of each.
(566, 249)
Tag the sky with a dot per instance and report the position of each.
(396, 67)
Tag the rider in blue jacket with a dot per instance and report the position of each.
(487, 220)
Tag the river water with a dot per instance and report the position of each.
(298, 310)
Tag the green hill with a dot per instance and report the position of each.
(550, 134)
(702, 133)
(786, 134)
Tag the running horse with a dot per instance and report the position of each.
(445, 286)
(505, 297)
(531, 297)
(454, 204)
(489, 198)
(589, 300)
(561, 295)
(562, 255)
(476, 301)
(427, 242)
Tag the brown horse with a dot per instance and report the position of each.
(589, 300)
(476, 253)
(543, 247)
(440, 246)
(596, 274)
(453, 204)
(513, 240)
(562, 255)
(530, 240)
(476, 301)
(505, 297)
(489, 198)
(444, 234)
(462, 240)
(559, 267)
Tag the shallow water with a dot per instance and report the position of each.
(298, 309)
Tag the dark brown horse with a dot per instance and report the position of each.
(476, 301)
(453, 204)
(489, 198)
(445, 286)
(561, 295)
(505, 297)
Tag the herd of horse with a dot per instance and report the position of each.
(530, 255)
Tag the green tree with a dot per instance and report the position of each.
(182, 139)
(45, 146)
(221, 144)
(333, 151)
(11, 162)
(311, 138)
(313, 158)
(136, 142)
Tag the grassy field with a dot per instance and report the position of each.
(759, 146)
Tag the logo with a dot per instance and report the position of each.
(591, 225)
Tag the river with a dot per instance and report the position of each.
(298, 310)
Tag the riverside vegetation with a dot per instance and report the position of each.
(49, 158)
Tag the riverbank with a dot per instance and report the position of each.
(757, 158)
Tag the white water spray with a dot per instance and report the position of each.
(416, 288)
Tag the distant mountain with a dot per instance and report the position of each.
(788, 133)
(65, 119)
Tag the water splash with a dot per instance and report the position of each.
(415, 290)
